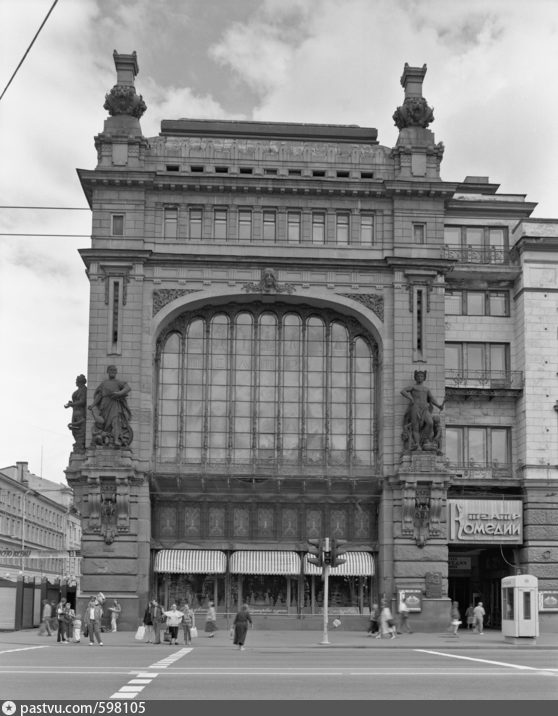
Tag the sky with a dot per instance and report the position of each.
(491, 79)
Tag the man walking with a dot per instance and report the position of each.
(479, 613)
(46, 616)
(92, 619)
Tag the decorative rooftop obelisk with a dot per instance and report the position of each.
(416, 154)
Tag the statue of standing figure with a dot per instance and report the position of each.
(111, 413)
(78, 404)
(421, 428)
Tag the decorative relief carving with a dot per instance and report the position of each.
(373, 301)
(414, 112)
(268, 284)
(421, 510)
(123, 99)
(163, 296)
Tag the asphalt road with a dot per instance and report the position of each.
(38, 669)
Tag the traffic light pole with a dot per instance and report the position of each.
(325, 639)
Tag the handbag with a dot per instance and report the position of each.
(140, 633)
(194, 632)
(390, 622)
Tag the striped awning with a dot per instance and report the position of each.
(264, 562)
(190, 561)
(358, 564)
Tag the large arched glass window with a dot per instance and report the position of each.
(261, 386)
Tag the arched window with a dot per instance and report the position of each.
(270, 387)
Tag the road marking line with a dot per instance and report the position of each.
(129, 691)
(23, 648)
(483, 661)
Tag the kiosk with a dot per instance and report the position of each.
(520, 616)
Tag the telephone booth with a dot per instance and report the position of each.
(520, 616)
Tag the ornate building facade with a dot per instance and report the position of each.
(308, 334)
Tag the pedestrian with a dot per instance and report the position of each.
(77, 628)
(387, 623)
(46, 616)
(174, 620)
(69, 616)
(373, 626)
(455, 618)
(479, 614)
(61, 637)
(210, 620)
(404, 626)
(187, 623)
(157, 619)
(53, 619)
(93, 617)
(470, 617)
(114, 614)
(240, 626)
(148, 624)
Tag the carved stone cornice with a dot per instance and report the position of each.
(163, 296)
(373, 301)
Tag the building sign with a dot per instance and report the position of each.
(459, 564)
(548, 600)
(411, 597)
(487, 521)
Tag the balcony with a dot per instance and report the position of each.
(487, 383)
(477, 471)
(476, 254)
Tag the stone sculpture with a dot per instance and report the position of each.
(111, 413)
(78, 404)
(421, 427)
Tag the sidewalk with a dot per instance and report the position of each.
(268, 639)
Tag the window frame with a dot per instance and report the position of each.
(220, 223)
(193, 222)
(463, 431)
(113, 221)
(169, 221)
(318, 227)
(487, 305)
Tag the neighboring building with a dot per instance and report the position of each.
(40, 543)
(266, 292)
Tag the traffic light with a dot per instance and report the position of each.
(337, 552)
(315, 552)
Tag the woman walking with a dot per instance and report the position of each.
(387, 623)
(148, 624)
(455, 618)
(187, 623)
(240, 624)
(211, 621)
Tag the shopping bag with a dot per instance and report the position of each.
(140, 633)
(193, 632)
(231, 632)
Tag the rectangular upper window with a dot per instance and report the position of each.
(220, 224)
(318, 228)
(477, 358)
(170, 222)
(366, 229)
(477, 244)
(117, 224)
(195, 223)
(342, 229)
(293, 227)
(245, 225)
(246, 170)
(269, 226)
(472, 446)
(419, 233)
(477, 303)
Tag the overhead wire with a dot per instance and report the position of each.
(28, 49)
